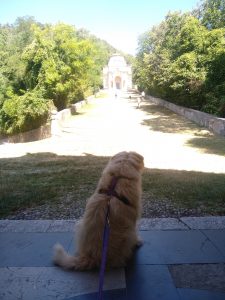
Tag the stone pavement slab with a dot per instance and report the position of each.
(215, 222)
(190, 294)
(30, 249)
(161, 224)
(119, 294)
(25, 225)
(150, 282)
(53, 283)
(199, 276)
(37, 225)
(176, 247)
(170, 248)
(144, 224)
(218, 239)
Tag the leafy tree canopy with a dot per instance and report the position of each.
(43, 64)
(183, 59)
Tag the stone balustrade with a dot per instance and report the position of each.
(215, 124)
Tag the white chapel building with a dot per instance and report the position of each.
(117, 75)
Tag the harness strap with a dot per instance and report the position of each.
(111, 192)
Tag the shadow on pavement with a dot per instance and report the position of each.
(163, 120)
(210, 144)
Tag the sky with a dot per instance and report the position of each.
(119, 22)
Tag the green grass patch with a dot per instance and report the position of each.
(38, 179)
(200, 191)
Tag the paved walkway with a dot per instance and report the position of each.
(180, 260)
(166, 140)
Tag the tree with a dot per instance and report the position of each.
(183, 61)
(211, 13)
(44, 63)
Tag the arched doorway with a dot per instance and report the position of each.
(118, 82)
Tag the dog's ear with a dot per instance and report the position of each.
(137, 160)
(120, 156)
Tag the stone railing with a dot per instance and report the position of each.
(40, 133)
(60, 118)
(217, 125)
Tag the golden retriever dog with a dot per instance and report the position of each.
(125, 170)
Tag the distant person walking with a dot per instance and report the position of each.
(138, 102)
(141, 98)
(117, 93)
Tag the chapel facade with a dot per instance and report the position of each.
(117, 75)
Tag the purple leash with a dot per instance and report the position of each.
(105, 241)
(104, 254)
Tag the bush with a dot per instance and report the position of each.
(23, 113)
(214, 104)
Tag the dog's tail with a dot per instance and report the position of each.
(66, 261)
(62, 259)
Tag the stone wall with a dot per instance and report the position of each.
(217, 125)
(40, 133)
(60, 118)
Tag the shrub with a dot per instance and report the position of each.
(23, 113)
(214, 104)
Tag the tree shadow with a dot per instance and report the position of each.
(50, 186)
(164, 120)
(209, 144)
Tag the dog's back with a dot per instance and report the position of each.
(127, 168)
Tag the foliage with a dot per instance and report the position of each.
(43, 63)
(183, 61)
(23, 113)
(211, 13)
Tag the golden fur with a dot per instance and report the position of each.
(128, 166)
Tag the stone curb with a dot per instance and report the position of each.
(48, 226)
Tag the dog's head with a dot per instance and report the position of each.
(126, 164)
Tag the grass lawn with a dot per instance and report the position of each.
(61, 184)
